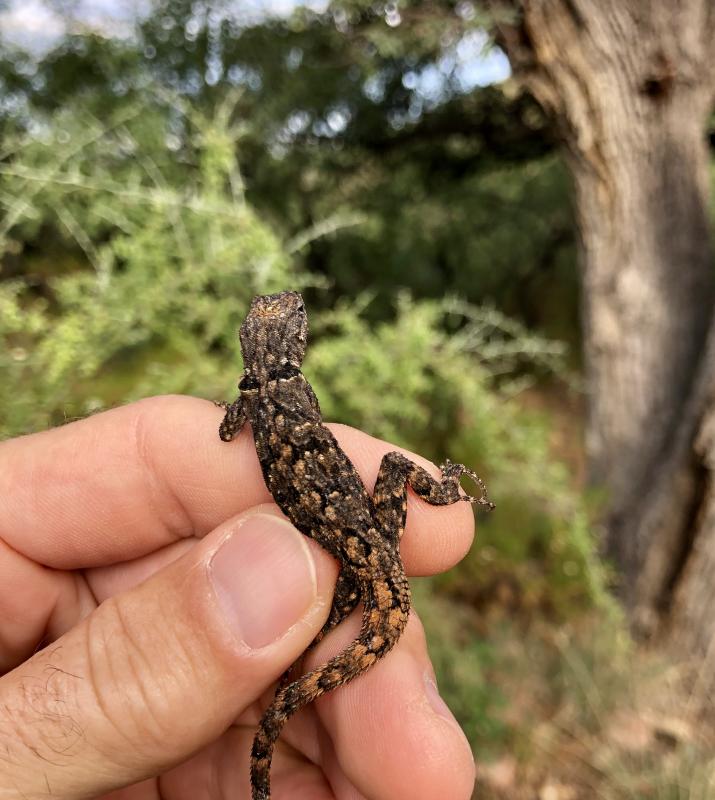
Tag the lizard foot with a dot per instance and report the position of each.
(455, 471)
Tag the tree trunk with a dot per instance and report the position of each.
(629, 84)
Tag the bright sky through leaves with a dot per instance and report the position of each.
(35, 25)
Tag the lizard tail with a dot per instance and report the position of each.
(382, 624)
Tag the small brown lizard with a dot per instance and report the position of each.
(319, 490)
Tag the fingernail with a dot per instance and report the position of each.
(435, 699)
(264, 577)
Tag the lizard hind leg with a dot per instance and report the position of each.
(345, 598)
(397, 472)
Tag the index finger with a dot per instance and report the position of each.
(123, 483)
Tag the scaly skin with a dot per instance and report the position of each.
(319, 490)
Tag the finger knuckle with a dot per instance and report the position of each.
(132, 679)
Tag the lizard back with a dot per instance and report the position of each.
(318, 488)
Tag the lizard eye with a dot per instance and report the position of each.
(247, 383)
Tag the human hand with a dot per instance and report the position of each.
(168, 593)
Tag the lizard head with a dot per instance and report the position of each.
(275, 332)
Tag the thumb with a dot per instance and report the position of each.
(159, 671)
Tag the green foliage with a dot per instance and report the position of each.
(502, 234)
(360, 108)
(458, 192)
(168, 265)
(169, 271)
(431, 369)
(440, 379)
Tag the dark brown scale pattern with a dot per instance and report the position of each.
(320, 491)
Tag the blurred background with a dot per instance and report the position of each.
(499, 214)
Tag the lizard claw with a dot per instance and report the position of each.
(455, 471)
(482, 499)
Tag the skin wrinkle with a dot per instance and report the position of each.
(89, 647)
(99, 645)
(5, 755)
(65, 597)
(14, 553)
(184, 528)
(142, 708)
(160, 793)
(214, 782)
(79, 586)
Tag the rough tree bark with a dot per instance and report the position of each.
(630, 85)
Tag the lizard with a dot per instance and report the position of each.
(317, 487)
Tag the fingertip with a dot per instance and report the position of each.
(436, 537)
(392, 733)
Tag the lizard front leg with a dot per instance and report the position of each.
(390, 495)
(234, 419)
